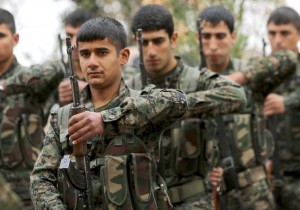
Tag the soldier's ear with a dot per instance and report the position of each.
(174, 39)
(16, 39)
(233, 37)
(124, 56)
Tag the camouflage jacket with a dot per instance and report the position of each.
(8, 199)
(249, 141)
(187, 144)
(27, 90)
(288, 124)
(149, 112)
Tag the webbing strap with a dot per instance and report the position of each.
(183, 192)
(63, 118)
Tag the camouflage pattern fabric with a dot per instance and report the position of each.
(188, 144)
(21, 132)
(8, 199)
(125, 118)
(244, 130)
(288, 138)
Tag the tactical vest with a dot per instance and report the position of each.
(248, 141)
(187, 147)
(124, 177)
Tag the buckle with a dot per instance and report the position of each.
(278, 182)
(227, 163)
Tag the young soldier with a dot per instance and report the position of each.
(282, 109)
(186, 147)
(244, 142)
(116, 127)
(23, 96)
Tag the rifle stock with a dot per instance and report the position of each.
(80, 150)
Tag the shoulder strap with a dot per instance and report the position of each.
(189, 80)
(63, 116)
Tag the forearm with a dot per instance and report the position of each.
(155, 109)
(38, 78)
(265, 74)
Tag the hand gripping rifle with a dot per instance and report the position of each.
(142, 66)
(80, 175)
(202, 57)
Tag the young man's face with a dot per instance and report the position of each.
(158, 52)
(283, 36)
(72, 33)
(7, 42)
(217, 42)
(101, 64)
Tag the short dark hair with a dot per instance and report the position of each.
(285, 15)
(78, 17)
(101, 28)
(216, 14)
(153, 17)
(8, 19)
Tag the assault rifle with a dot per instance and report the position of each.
(202, 57)
(80, 175)
(264, 47)
(60, 45)
(142, 66)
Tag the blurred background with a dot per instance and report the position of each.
(40, 21)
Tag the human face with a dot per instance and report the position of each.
(7, 43)
(72, 33)
(101, 64)
(158, 52)
(217, 42)
(283, 36)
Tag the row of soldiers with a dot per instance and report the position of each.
(186, 138)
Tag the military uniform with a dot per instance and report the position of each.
(8, 199)
(21, 132)
(246, 184)
(188, 145)
(128, 122)
(288, 141)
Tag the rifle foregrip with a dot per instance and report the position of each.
(80, 149)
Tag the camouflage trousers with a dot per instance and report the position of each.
(257, 196)
(290, 195)
(202, 201)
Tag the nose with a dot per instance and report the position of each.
(150, 49)
(213, 44)
(92, 61)
(277, 39)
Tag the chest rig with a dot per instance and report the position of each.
(123, 172)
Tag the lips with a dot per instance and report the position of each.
(151, 62)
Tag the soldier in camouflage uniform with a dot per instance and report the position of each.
(25, 92)
(73, 21)
(8, 198)
(187, 146)
(249, 146)
(282, 107)
(116, 127)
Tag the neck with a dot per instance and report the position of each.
(102, 96)
(5, 65)
(218, 68)
(168, 69)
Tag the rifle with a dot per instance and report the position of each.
(264, 47)
(80, 175)
(202, 56)
(142, 66)
(60, 43)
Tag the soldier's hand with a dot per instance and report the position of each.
(85, 125)
(65, 91)
(215, 176)
(274, 104)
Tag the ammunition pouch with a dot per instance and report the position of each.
(190, 148)
(21, 133)
(292, 133)
(247, 177)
